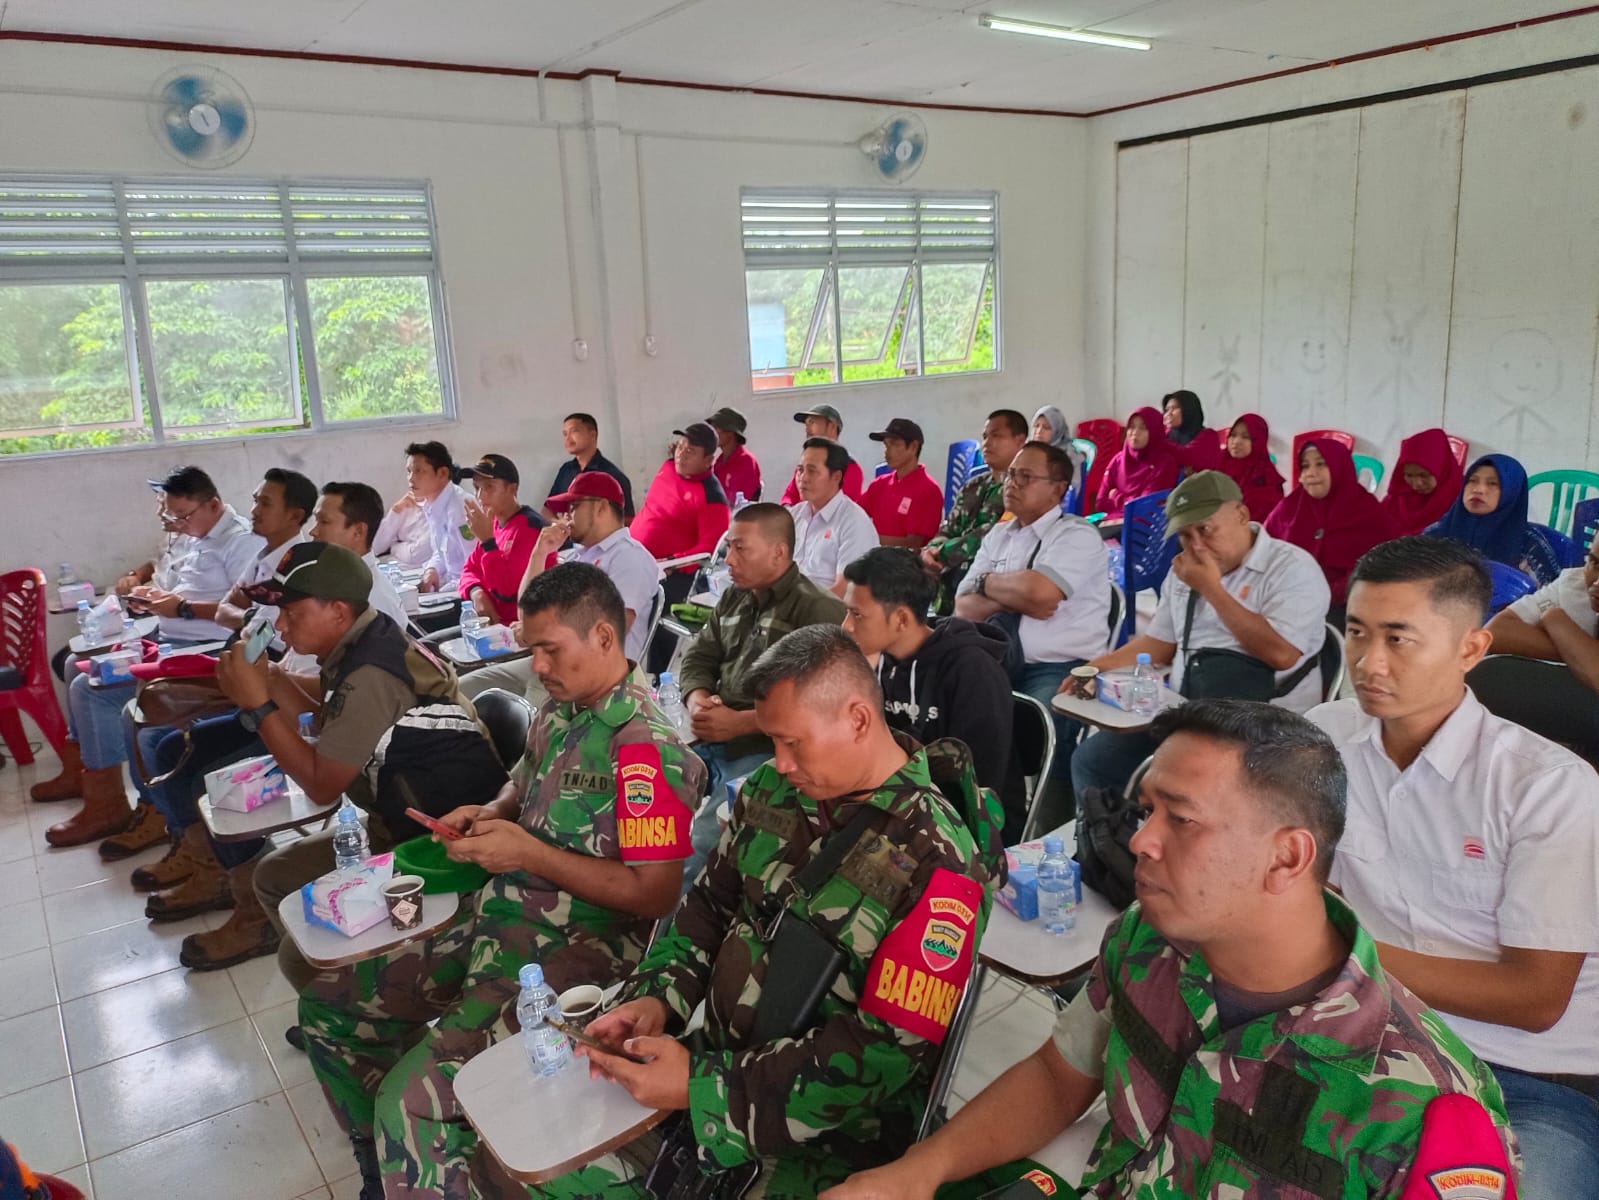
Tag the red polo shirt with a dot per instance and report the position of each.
(681, 516)
(738, 472)
(908, 507)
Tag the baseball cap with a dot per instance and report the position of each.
(698, 434)
(901, 428)
(496, 466)
(587, 483)
(315, 570)
(1197, 499)
(729, 420)
(821, 410)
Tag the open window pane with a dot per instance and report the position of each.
(951, 294)
(376, 355)
(782, 311)
(65, 379)
(980, 355)
(223, 360)
(870, 298)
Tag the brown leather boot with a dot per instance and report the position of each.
(149, 828)
(248, 934)
(66, 786)
(205, 889)
(105, 810)
(173, 869)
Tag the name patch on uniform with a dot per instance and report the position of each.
(652, 824)
(922, 964)
(587, 781)
(771, 820)
(1468, 1183)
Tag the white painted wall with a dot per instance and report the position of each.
(493, 156)
(1431, 261)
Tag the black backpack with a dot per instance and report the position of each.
(1105, 826)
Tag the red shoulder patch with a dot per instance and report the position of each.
(1461, 1155)
(921, 966)
(652, 823)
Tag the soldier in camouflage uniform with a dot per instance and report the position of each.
(1220, 1081)
(906, 905)
(585, 847)
(977, 508)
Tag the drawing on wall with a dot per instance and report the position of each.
(1524, 375)
(1227, 374)
(1398, 383)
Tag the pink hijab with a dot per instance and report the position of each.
(1338, 528)
(1134, 473)
(1256, 476)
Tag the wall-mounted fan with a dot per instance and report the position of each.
(201, 116)
(897, 146)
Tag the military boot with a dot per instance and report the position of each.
(174, 868)
(66, 786)
(105, 810)
(366, 1158)
(203, 890)
(148, 829)
(247, 933)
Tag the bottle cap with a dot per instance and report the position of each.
(1143, 660)
(348, 815)
(1054, 845)
(531, 975)
(666, 678)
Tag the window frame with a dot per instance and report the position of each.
(133, 273)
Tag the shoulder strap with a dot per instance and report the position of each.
(1283, 688)
(834, 848)
(1188, 620)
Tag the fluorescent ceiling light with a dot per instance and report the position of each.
(1006, 25)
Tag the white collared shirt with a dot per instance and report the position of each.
(828, 539)
(1489, 839)
(1568, 592)
(1279, 581)
(635, 573)
(446, 513)
(405, 536)
(1071, 555)
(204, 569)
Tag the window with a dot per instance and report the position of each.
(853, 286)
(141, 312)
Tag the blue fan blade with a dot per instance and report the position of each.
(185, 140)
(184, 90)
(234, 120)
(916, 155)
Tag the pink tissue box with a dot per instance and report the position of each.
(350, 902)
(246, 785)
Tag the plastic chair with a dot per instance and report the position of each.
(1584, 523)
(1364, 463)
(963, 456)
(1541, 696)
(1569, 486)
(1106, 434)
(1547, 552)
(1461, 447)
(1073, 502)
(656, 613)
(1509, 585)
(882, 469)
(25, 685)
(960, 1025)
(507, 717)
(1114, 635)
(1347, 440)
(1033, 743)
(1331, 661)
(1146, 551)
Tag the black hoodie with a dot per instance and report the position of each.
(956, 686)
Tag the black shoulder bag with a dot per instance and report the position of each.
(1011, 623)
(1216, 674)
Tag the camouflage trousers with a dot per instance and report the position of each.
(388, 1074)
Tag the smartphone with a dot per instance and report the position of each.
(257, 638)
(433, 823)
(593, 1043)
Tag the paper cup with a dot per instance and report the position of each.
(403, 896)
(581, 1003)
(1087, 680)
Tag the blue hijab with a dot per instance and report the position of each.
(1500, 535)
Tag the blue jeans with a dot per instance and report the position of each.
(1041, 681)
(94, 718)
(217, 742)
(1108, 760)
(707, 829)
(1558, 1128)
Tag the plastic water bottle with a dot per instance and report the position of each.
(164, 650)
(308, 731)
(1146, 688)
(1057, 900)
(739, 501)
(88, 623)
(670, 701)
(349, 838)
(547, 1048)
(65, 577)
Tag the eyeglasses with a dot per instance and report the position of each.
(173, 518)
(1028, 478)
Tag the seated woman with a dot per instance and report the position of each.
(1248, 463)
(1049, 425)
(1196, 448)
(1144, 464)
(1425, 482)
(1330, 516)
(1491, 511)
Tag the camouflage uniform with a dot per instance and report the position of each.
(849, 1093)
(367, 1026)
(978, 507)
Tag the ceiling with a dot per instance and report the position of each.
(904, 51)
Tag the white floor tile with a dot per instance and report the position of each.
(27, 982)
(32, 1050)
(348, 1188)
(119, 955)
(328, 1142)
(148, 1012)
(319, 1194)
(16, 839)
(42, 1123)
(19, 882)
(254, 1152)
(261, 985)
(78, 1177)
(23, 929)
(91, 908)
(63, 870)
(293, 1067)
(161, 1089)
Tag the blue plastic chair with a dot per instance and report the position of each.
(884, 469)
(963, 457)
(1547, 552)
(1510, 585)
(1146, 551)
(1077, 492)
(1584, 523)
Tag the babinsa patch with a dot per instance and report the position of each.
(922, 964)
(652, 824)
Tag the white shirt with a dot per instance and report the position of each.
(383, 596)
(1567, 592)
(1071, 555)
(205, 569)
(635, 573)
(1279, 581)
(405, 535)
(828, 539)
(445, 514)
(1489, 839)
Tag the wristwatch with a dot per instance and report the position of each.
(982, 584)
(185, 610)
(251, 718)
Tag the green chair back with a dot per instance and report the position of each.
(1365, 463)
(1568, 487)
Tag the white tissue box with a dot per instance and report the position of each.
(350, 902)
(492, 641)
(246, 785)
(113, 667)
(68, 595)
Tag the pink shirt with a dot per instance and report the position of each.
(737, 471)
(908, 507)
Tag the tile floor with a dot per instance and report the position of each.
(136, 1079)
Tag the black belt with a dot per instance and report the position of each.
(1588, 1085)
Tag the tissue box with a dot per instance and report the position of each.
(68, 595)
(492, 641)
(350, 902)
(246, 785)
(1020, 893)
(113, 667)
(1116, 690)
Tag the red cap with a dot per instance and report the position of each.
(587, 483)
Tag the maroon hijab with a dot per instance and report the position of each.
(1256, 476)
(1409, 510)
(1338, 528)
(1134, 473)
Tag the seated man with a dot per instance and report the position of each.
(768, 599)
(1233, 587)
(735, 467)
(506, 530)
(580, 435)
(1470, 853)
(978, 506)
(904, 503)
(830, 529)
(1238, 1022)
(1559, 624)
(430, 479)
(790, 1099)
(944, 682)
(574, 886)
(219, 547)
(347, 515)
(823, 421)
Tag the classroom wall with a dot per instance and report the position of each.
(493, 149)
(1430, 261)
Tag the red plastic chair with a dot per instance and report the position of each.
(1346, 440)
(1106, 434)
(1460, 446)
(25, 665)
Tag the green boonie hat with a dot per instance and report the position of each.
(1198, 498)
(440, 873)
(729, 420)
(315, 570)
